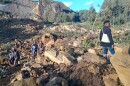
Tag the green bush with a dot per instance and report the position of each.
(88, 43)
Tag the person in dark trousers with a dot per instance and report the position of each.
(108, 44)
(13, 57)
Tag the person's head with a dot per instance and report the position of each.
(13, 50)
(106, 23)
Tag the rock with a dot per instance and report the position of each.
(82, 77)
(25, 82)
(77, 43)
(21, 75)
(118, 49)
(50, 54)
(50, 43)
(36, 65)
(98, 50)
(124, 49)
(28, 64)
(45, 62)
(82, 64)
(57, 81)
(79, 51)
(89, 57)
(41, 60)
(48, 39)
(26, 68)
(59, 42)
(42, 80)
(121, 63)
(111, 80)
(36, 72)
(24, 74)
(63, 68)
(102, 61)
(59, 57)
(92, 51)
(93, 68)
(79, 59)
(66, 58)
(62, 48)
(38, 59)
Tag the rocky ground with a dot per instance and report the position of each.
(66, 61)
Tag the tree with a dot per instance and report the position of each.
(117, 11)
(83, 15)
(91, 14)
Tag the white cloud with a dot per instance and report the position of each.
(68, 3)
(89, 3)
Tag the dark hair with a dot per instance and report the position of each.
(106, 21)
(13, 49)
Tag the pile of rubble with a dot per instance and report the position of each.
(58, 66)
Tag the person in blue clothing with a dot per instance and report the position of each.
(109, 45)
(13, 57)
(34, 49)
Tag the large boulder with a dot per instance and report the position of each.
(21, 75)
(111, 80)
(59, 57)
(121, 63)
(126, 49)
(39, 59)
(59, 42)
(92, 51)
(48, 39)
(43, 80)
(93, 68)
(37, 65)
(57, 81)
(25, 82)
(122, 49)
(92, 58)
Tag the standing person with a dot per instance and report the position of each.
(34, 48)
(13, 57)
(106, 39)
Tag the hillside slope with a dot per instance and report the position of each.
(48, 10)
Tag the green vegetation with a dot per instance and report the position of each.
(124, 38)
(116, 10)
(89, 43)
